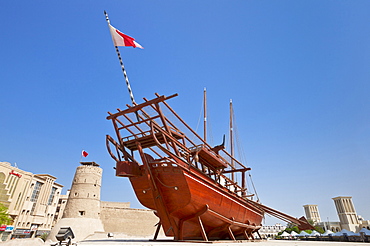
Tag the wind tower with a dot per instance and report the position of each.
(346, 213)
(312, 213)
(82, 211)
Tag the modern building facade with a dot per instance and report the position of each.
(61, 207)
(31, 200)
(36, 206)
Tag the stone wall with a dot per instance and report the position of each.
(114, 205)
(135, 223)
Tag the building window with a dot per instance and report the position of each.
(33, 208)
(36, 192)
(52, 194)
(82, 213)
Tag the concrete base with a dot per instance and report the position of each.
(101, 236)
(81, 227)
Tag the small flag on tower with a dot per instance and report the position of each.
(121, 39)
(84, 153)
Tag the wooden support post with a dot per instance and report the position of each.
(180, 233)
(246, 235)
(243, 184)
(182, 221)
(204, 235)
(231, 234)
(157, 231)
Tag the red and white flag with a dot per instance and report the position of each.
(84, 153)
(121, 39)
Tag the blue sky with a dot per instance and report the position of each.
(297, 72)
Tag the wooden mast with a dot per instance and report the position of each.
(231, 139)
(205, 114)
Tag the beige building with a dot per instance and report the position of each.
(348, 218)
(312, 213)
(31, 200)
(61, 207)
(36, 206)
(271, 231)
(347, 214)
(89, 217)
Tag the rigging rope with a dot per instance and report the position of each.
(254, 188)
(200, 116)
(241, 153)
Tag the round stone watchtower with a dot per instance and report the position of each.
(82, 211)
(84, 197)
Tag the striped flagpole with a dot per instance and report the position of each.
(126, 77)
(123, 68)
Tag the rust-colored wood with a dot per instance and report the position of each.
(127, 169)
(147, 141)
(140, 106)
(209, 158)
(231, 233)
(203, 232)
(188, 187)
(246, 234)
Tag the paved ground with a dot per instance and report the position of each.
(144, 242)
(113, 242)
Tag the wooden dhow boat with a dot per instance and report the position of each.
(189, 184)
